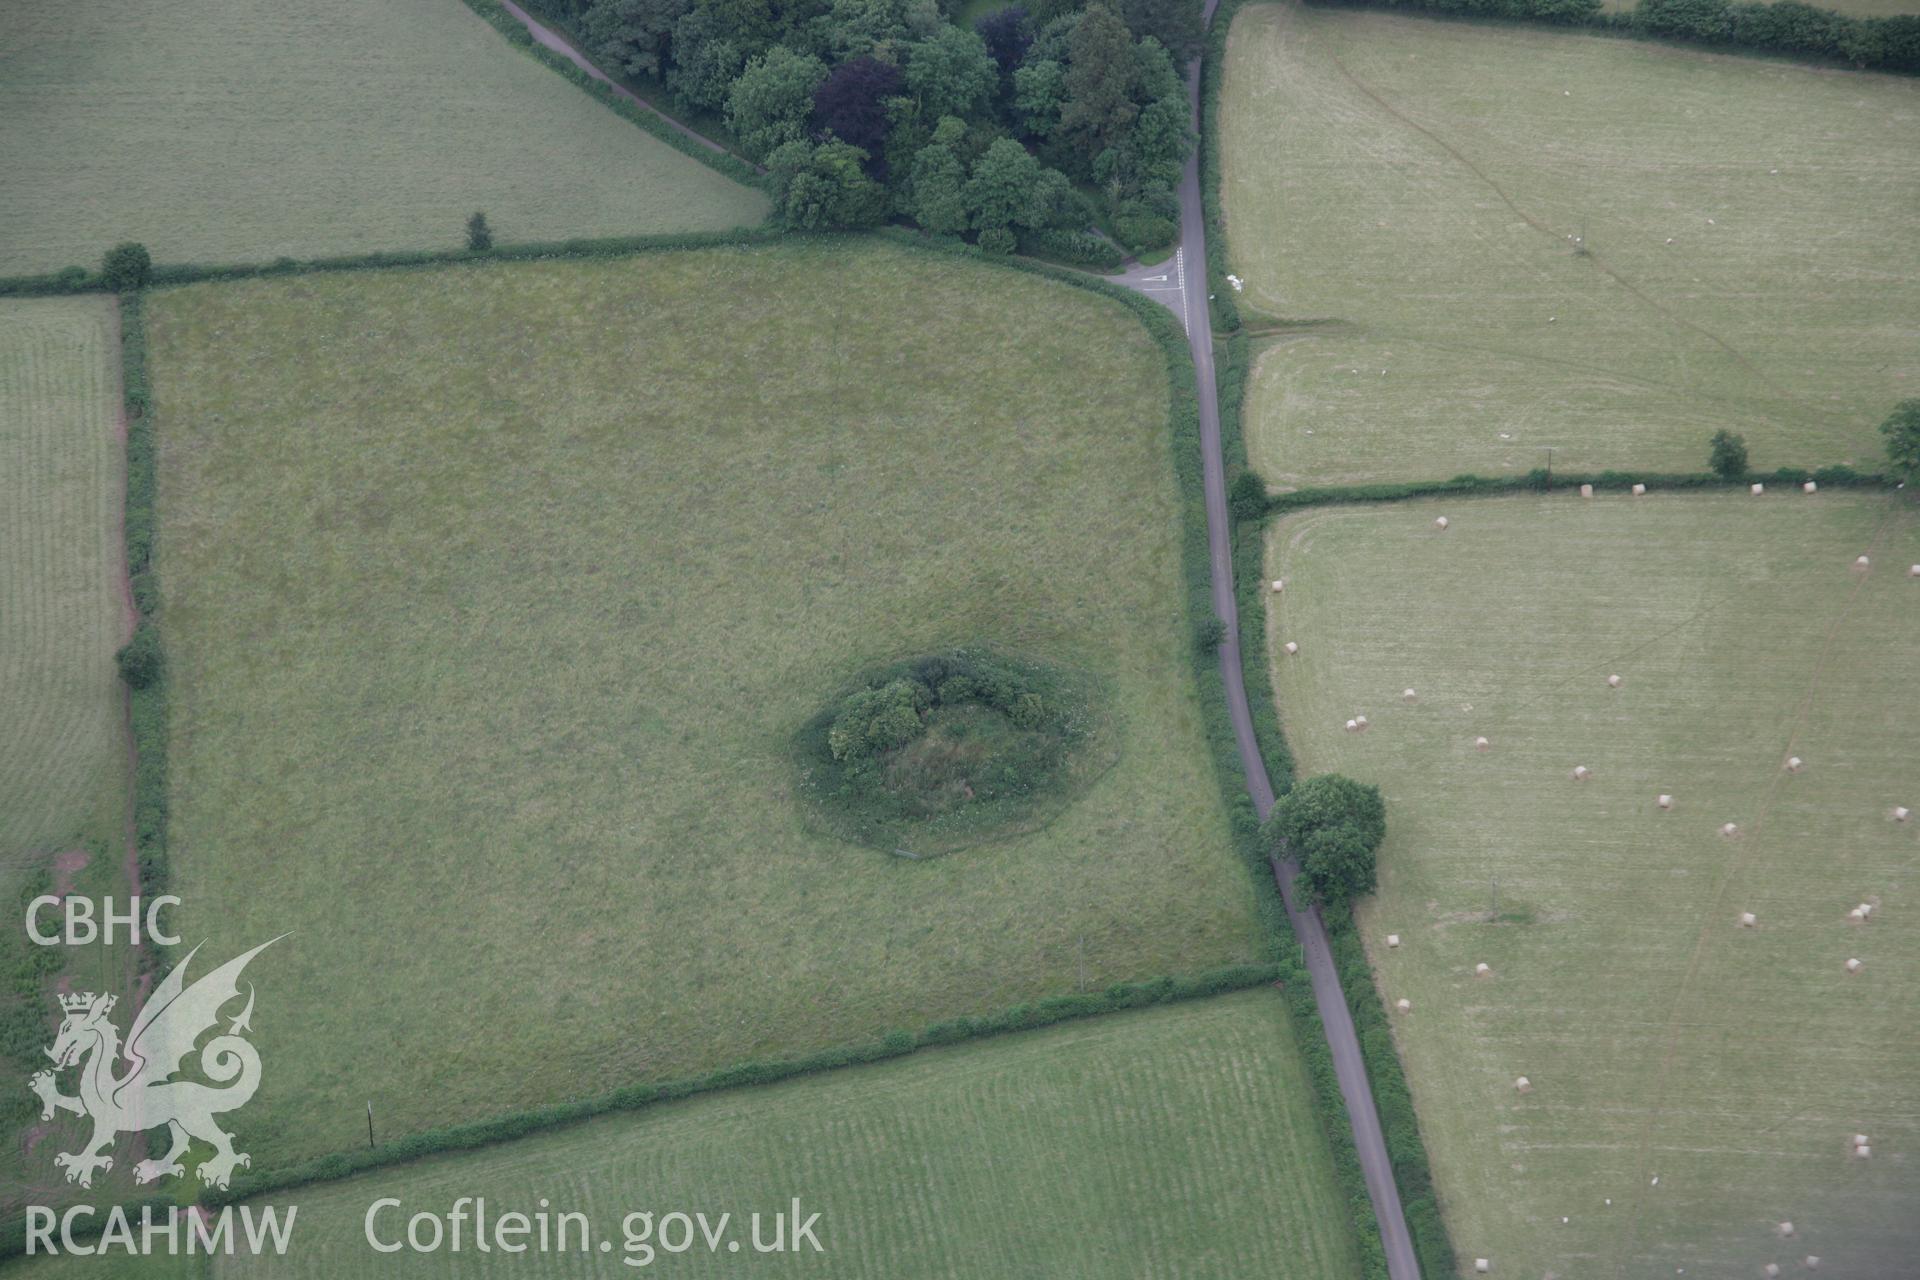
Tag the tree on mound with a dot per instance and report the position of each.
(938, 752)
(1333, 826)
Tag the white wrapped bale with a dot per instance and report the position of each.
(1639, 491)
(1757, 490)
(1854, 966)
(1482, 1265)
(1665, 802)
(1291, 648)
(1784, 1231)
(1352, 725)
(1409, 695)
(1859, 1139)
(1404, 1005)
(1481, 744)
(1440, 522)
(1393, 939)
(1861, 562)
(1361, 723)
(1482, 969)
(1865, 909)
(1795, 764)
(1729, 830)
(1809, 487)
(1279, 585)
(1586, 491)
(1614, 682)
(1901, 813)
(1857, 915)
(1812, 1261)
(1864, 1152)
(1913, 571)
(1523, 1085)
(1581, 773)
(1748, 920)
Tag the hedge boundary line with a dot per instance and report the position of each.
(1213, 72)
(1538, 481)
(1034, 1015)
(1791, 30)
(79, 280)
(148, 707)
(1281, 963)
(654, 122)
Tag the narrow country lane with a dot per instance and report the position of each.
(1181, 284)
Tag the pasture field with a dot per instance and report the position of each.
(241, 131)
(63, 741)
(1705, 1078)
(1403, 198)
(497, 595)
(1172, 1141)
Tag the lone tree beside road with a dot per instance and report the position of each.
(1902, 430)
(1333, 826)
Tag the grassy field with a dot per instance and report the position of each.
(1402, 195)
(63, 756)
(1174, 1141)
(239, 131)
(496, 596)
(1663, 1041)
(63, 747)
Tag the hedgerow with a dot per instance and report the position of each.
(1760, 26)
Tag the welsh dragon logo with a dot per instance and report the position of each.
(145, 1096)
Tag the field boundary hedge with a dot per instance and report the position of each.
(148, 704)
(1781, 29)
(1538, 481)
(655, 122)
(79, 280)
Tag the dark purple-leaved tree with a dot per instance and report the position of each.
(851, 103)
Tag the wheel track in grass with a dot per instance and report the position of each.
(1714, 921)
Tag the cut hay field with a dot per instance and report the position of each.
(241, 131)
(1662, 1040)
(1401, 196)
(63, 742)
(497, 595)
(1172, 1141)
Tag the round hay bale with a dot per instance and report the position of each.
(1748, 920)
(1757, 490)
(1409, 695)
(1901, 813)
(1361, 722)
(1770, 1270)
(1440, 522)
(1812, 1262)
(1729, 830)
(1482, 1265)
(1482, 969)
(1481, 744)
(1784, 1231)
(1854, 966)
(1809, 487)
(1913, 571)
(1859, 1139)
(1523, 1085)
(1586, 491)
(1393, 939)
(1865, 909)
(1795, 764)
(1279, 585)
(1404, 1005)
(1614, 682)
(1581, 773)
(1856, 915)
(1291, 648)
(1665, 802)
(1864, 1152)
(1861, 562)
(1352, 725)
(1639, 491)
